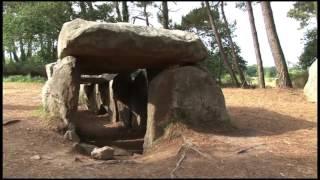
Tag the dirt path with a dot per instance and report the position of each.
(276, 137)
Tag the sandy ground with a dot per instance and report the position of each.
(276, 137)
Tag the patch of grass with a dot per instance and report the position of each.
(48, 119)
(22, 78)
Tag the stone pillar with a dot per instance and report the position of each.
(63, 91)
(138, 100)
(121, 92)
(182, 95)
(92, 101)
(112, 104)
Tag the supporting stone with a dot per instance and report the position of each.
(62, 91)
(138, 100)
(311, 88)
(112, 104)
(121, 92)
(93, 100)
(187, 95)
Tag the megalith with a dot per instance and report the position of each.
(102, 47)
(171, 87)
(62, 90)
(311, 87)
(138, 100)
(185, 94)
(121, 87)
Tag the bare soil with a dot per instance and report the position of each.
(276, 136)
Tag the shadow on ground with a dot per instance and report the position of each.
(248, 122)
(19, 107)
(98, 130)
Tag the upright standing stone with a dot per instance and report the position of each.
(121, 92)
(138, 101)
(63, 90)
(112, 104)
(311, 87)
(188, 95)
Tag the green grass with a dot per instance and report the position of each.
(269, 81)
(22, 78)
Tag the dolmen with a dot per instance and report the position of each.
(153, 79)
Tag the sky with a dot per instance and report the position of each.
(287, 28)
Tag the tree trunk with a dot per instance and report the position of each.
(91, 11)
(22, 53)
(10, 54)
(145, 13)
(125, 12)
(274, 43)
(165, 14)
(119, 18)
(222, 53)
(233, 51)
(70, 9)
(29, 51)
(83, 12)
(256, 46)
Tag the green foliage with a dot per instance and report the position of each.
(270, 72)
(298, 76)
(310, 49)
(34, 66)
(31, 30)
(21, 78)
(197, 21)
(252, 70)
(303, 11)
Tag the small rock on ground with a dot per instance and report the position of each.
(35, 157)
(104, 153)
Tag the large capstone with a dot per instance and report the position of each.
(188, 95)
(310, 89)
(61, 91)
(102, 47)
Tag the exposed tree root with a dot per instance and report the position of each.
(112, 162)
(184, 148)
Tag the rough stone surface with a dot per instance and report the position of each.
(112, 104)
(104, 153)
(104, 47)
(185, 94)
(35, 157)
(311, 87)
(93, 100)
(61, 92)
(49, 69)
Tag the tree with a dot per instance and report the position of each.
(274, 43)
(144, 4)
(303, 11)
(125, 12)
(256, 45)
(163, 14)
(218, 39)
(116, 6)
(310, 50)
(233, 51)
